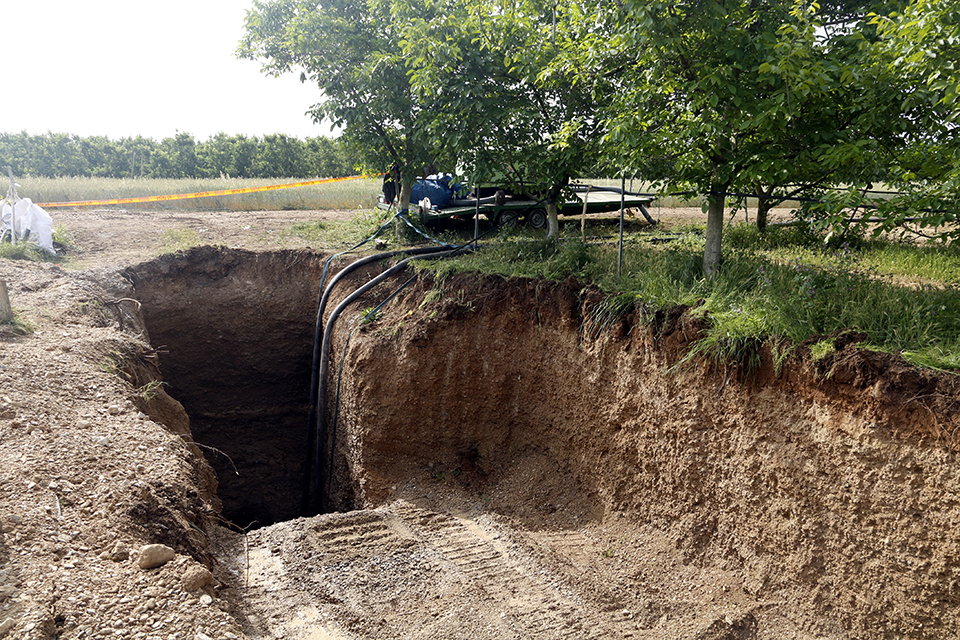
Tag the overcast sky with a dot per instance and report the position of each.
(124, 68)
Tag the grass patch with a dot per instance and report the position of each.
(312, 230)
(173, 240)
(342, 233)
(15, 325)
(786, 285)
(63, 243)
(925, 263)
(24, 251)
(821, 349)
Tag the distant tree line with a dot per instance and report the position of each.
(270, 156)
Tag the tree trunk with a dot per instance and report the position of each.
(712, 251)
(403, 232)
(763, 207)
(552, 207)
(553, 224)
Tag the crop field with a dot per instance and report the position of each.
(348, 194)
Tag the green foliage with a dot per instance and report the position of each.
(919, 44)
(921, 40)
(25, 251)
(779, 286)
(820, 350)
(150, 390)
(441, 85)
(369, 315)
(352, 50)
(609, 311)
(774, 99)
(54, 155)
(529, 121)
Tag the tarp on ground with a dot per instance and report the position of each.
(28, 222)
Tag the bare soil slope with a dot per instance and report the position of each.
(508, 471)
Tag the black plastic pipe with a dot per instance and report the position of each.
(318, 338)
(313, 499)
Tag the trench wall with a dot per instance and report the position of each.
(831, 486)
(235, 334)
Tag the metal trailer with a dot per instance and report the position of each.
(512, 211)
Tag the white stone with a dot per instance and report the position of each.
(155, 555)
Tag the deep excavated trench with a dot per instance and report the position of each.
(826, 495)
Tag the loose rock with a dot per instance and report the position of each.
(119, 553)
(196, 577)
(155, 555)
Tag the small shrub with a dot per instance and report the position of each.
(820, 350)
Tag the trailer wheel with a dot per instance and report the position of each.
(537, 219)
(508, 219)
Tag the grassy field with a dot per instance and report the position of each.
(785, 286)
(349, 194)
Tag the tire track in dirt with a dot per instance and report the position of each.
(538, 608)
(406, 572)
(377, 574)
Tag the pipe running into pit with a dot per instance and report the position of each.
(314, 500)
(322, 307)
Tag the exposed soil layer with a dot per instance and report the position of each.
(237, 331)
(827, 492)
(505, 467)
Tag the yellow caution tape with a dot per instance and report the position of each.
(199, 194)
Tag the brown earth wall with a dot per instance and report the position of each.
(832, 487)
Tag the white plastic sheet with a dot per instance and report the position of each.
(30, 223)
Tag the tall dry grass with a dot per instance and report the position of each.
(349, 194)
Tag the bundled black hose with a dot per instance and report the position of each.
(313, 498)
(325, 297)
(336, 395)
